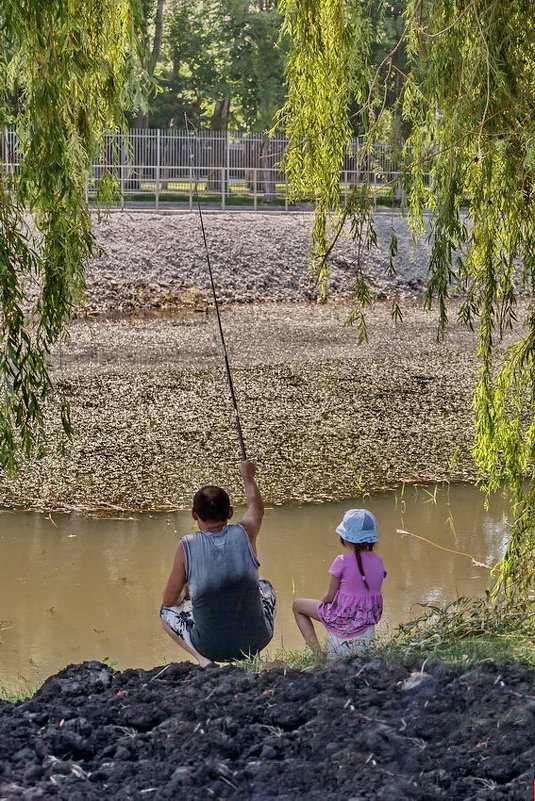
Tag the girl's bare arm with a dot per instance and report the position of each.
(333, 589)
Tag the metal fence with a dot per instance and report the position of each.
(157, 168)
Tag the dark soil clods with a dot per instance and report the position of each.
(358, 730)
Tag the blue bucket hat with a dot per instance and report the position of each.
(358, 525)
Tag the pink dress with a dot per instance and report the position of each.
(354, 608)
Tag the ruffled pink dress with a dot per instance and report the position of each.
(354, 608)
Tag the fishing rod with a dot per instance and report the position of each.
(216, 304)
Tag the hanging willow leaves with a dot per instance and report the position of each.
(470, 159)
(326, 70)
(470, 98)
(68, 70)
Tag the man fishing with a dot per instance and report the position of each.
(215, 606)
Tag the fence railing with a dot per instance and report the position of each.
(153, 167)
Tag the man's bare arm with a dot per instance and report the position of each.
(252, 519)
(173, 592)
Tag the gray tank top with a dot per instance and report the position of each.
(222, 575)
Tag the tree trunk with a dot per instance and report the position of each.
(268, 184)
(141, 119)
(251, 163)
(157, 41)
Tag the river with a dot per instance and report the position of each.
(74, 588)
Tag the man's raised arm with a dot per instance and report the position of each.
(252, 518)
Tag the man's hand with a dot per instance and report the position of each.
(247, 469)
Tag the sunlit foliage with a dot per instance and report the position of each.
(326, 70)
(470, 159)
(222, 64)
(69, 68)
(471, 99)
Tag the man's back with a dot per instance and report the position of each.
(222, 576)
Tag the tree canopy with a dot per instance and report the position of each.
(68, 70)
(221, 63)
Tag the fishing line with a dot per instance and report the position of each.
(443, 548)
(216, 304)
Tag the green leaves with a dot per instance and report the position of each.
(329, 51)
(74, 66)
(468, 160)
(218, 52)
(471, 104)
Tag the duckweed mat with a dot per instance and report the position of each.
(323, 417)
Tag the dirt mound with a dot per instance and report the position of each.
(357, 730)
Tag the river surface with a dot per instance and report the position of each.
(74, 588)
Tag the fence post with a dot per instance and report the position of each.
(286, 192)
(255, 200)
(228, 158)
(222, 187)
(157, 194)
(122, 171)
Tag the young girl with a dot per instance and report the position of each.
(353, 604)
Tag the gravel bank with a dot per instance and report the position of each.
(154, 260)
(357, 730)
(152, 416)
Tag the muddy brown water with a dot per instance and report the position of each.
(83, 588)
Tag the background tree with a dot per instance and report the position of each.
(73, 68)
(387, 48)
(221, 64)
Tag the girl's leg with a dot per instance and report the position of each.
(305, 609)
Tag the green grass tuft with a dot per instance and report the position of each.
(466, 653)
(20, 693)
(300, 660)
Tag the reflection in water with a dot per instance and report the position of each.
(90, 589)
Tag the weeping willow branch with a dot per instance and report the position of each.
(330, 42)
(469, 160)
(70, 68)
(478, 76)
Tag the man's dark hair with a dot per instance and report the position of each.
(211, 503)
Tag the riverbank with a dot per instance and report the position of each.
(158, 261)
(358, 729)
(324, 417)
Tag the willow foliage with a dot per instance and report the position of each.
(470, 159)
(326, 70)
(69, 68)
(471, 98)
